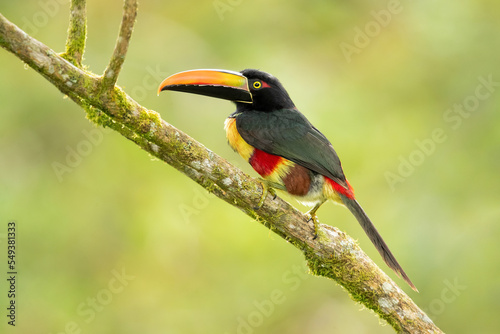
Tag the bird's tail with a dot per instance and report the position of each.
(376, 238)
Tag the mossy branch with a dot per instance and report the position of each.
(77, 32)
(333, 254)
(127, 26)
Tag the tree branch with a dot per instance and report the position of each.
(333, 254)
(77, 32)
(127, 26)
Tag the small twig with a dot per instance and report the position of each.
(127, 26)
(77, 33)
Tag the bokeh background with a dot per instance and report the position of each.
(113, 241)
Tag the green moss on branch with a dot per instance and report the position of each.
(77, 33)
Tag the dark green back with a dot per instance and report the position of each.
(289, 134)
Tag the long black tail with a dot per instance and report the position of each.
(376, 238)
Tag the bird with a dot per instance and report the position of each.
(281, 145)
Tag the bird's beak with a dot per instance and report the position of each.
(221, 84)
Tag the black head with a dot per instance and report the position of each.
(249, 89)
(268, 93)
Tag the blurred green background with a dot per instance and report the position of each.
(117, 242)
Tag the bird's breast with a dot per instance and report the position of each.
(236, 141)
(269, 166)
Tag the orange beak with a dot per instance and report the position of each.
(221, 84)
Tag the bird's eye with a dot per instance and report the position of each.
(257, 84)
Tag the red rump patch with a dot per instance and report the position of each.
(264, 163)
(349, 192)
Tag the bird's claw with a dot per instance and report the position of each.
(314, 218)
(265, 190)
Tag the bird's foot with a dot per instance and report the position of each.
(312, 216)
(267, 188)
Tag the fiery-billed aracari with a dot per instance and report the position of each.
(280, 143)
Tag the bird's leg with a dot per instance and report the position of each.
(268, 187)
(312, 216)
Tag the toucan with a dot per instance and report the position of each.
(281, 145)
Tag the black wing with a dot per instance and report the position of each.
(289, 134)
